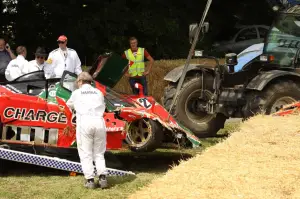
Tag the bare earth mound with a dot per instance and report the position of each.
(262, 160)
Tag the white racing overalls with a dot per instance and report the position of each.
(34, 66)
(89, 105)
(16, 68)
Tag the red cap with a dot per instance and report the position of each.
(62, 38)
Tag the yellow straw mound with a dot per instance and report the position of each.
(262, 160)
(156, 82)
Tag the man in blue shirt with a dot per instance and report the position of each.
(6, 55)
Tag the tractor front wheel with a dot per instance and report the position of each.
(186, 109)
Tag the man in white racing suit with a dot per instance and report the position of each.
(89, 105)
(18, 66)
(64, 58)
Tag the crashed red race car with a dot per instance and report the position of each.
(30, 114)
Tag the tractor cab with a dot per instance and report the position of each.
(283, 40)
(282, 44)
(281, 51)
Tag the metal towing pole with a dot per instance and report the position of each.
(195, 40)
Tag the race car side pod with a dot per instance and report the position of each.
(51, 162)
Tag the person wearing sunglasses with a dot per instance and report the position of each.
(64, 58)
(39, 63)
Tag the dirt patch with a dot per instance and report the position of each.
(261, 160)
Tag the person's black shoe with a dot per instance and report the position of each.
(102, 182)
(90, 184)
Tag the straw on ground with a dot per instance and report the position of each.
(261, 160)
(156, 82)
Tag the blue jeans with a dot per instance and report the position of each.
(142, 80)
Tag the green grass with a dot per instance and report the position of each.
(20, 181)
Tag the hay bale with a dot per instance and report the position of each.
(261, 160)
(155, 79)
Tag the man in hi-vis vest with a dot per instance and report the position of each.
(136, 67)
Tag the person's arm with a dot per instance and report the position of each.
(70, 102)
(51, 59)
(151, 61)
(26, 68)
(127, 67)
(78, 68)
(11, 54)
(124, 56)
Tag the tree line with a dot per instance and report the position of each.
(94, 27)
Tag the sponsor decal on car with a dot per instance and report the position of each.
(33, 115)
(144, 102)
(52, 93)
(114, 129)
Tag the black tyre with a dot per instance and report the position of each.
(144, 135)
(272, 98)
(200, 123)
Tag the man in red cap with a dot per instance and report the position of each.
(64, 58)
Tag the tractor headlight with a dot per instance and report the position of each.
(266, 58)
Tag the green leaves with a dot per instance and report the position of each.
(94, 26)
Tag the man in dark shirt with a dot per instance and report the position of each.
(136, 68)
(6, 55)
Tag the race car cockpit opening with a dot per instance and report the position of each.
(112, 99)
(30, 83)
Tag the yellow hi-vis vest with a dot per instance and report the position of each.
(136, 64)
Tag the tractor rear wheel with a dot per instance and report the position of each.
(272, 98)
(185, 109)
(144, 135)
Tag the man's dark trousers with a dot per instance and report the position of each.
(142, 80)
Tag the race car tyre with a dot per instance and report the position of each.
(144, 135)
(184, 111)
(272, 98)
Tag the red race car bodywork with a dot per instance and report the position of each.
(30, 115)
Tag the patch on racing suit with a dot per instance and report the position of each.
(88, 92)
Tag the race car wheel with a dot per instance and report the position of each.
(144, 135)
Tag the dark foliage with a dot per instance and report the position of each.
(94, 26)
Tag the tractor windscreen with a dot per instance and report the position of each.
(283, 39)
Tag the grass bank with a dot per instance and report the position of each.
(18, 181)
